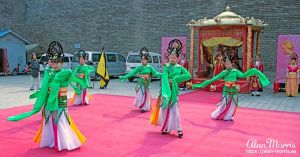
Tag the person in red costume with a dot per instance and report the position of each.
(255, 85)
(219, 64)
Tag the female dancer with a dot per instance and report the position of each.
(57, 129)
(229, 101)
(82, 71)
(144, 72)
(168, 116)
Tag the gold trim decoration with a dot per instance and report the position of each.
(191, 68)
(257, 44)
(228, 17)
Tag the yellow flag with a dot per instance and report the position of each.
(102, 70)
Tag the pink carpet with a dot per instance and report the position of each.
(114, 127)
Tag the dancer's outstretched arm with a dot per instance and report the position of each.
(132, 73)
(207, 82)
(41, 96)
(251, 72)
(185, 76)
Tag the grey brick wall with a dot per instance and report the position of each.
(127, 25)
(12, 15)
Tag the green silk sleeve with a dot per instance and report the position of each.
(88, 71)
(62, 76)
(42, 96)
(66, 75)
(262, 77)
(165, 87)
(82, 84)
(132, 73)
(52, 102)
(172, 93)
(185, 76)
(207, 82)
(35, 94)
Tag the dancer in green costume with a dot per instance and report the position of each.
(144, 72)
(229, 101)
(166, 114)
(82, 71)
(57, 129)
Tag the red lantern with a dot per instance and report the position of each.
(276, 87)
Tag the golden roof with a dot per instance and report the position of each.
(228, 17)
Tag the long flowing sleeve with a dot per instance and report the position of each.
(132, 73)
(82, 84)
(207, 82)
(165, 87)
(172, 93)
(42, 96)
(52, 103)
(185, 76)
(251, 72)
(88, 71)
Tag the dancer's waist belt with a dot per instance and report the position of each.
(231, 84)
(146, 77)
(62, 97)
(62, 91)
(144, 80)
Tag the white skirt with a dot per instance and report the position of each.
(82, 99)
(58, 135)
(227, 108)
(143, 99)
(169, 118)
